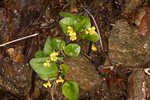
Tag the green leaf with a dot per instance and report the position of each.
(65, 14)
(45, 73)
(48, 46)
(65, 22)
(39, 54)
(72, 50)
(70, 90)
(58, 44)
(77, 22)
(64, 69)
(93, 37)
(47, 76)
(81, 22)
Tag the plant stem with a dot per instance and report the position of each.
(51, 93)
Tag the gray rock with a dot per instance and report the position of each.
(127, 47)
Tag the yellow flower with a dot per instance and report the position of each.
(60, 80)
(53, 56)
(47, 84)
(47, 63)
(94, 48)
(71, 33)
(86, 32)
(69, 29)
(91, 30)
(73, 36)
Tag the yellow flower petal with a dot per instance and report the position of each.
(69, 29)
(60, 80)
(72, 34)
(53, 56)
(90, 30)
(47, 84)
(94, 48)
(86, 32)
(72, 38)
(93, 28)
(47, 63)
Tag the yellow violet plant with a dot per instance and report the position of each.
(49, 62)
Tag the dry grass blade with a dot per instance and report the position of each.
(147, 71)
(23, 38)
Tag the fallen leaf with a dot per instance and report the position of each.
(73, 7)
(36, 93)
(16, 54)
(11, 52)
(114, 80)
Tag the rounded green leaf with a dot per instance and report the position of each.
(45, 73)
(64, 69)
(48, 46)
(58, 44)
(72, 50)
(70, 90)
(81, 22)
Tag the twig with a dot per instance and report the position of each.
(99, 33)
(23, 38)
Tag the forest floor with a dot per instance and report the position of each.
(117, 71)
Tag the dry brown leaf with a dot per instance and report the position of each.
(16, 54)
(114, 80)
(36, 93)
(73, 7)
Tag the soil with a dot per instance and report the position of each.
(115, 72)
